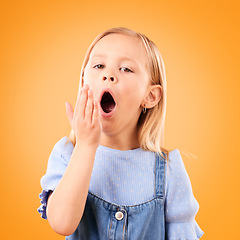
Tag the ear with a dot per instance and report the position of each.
(153, 96)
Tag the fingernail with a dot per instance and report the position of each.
(66, 104)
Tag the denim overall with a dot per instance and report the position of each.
(102, 220)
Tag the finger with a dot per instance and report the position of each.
(89, 106)
(82, 102)
(78, 100)
(69, 112)
(95, 115)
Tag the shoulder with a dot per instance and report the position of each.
(62, 149)
(175, 162)
(177, 177)
(57, 161)
(174, 154)
(63, 145)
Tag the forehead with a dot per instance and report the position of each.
(120, 45)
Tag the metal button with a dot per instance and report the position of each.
(119, 215)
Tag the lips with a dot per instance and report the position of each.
(107, 103)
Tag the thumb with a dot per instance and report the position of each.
(69, 112)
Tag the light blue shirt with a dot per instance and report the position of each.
(128, 178)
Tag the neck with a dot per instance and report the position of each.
(121, 141)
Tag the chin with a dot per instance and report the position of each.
(108, 126)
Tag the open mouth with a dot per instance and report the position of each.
(107, 102)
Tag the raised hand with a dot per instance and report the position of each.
(84, 120)
(66, 203)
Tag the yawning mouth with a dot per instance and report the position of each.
(107, 102)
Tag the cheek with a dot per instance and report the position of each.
(91, 80)
(133, 93)
(86, 76)
(89, 77)
(136, 88)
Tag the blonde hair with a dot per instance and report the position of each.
(151, 124)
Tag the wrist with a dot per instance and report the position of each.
(86, 146)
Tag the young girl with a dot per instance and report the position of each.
(111, 178)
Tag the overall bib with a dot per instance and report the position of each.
(102, 220)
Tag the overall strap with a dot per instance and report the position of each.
(160, 175)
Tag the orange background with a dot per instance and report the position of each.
(42, 46)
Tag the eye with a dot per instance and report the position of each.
(99, 66)
(125, 69)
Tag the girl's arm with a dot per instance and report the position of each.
(66, 204)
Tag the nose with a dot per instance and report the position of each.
(109, 78)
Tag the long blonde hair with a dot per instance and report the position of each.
(151, 124)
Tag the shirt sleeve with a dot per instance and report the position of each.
(57, 164)
(181, 206)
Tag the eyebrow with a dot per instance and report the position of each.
(121, 58)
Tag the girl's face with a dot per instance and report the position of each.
(117, 73)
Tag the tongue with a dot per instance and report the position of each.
(108, 107)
